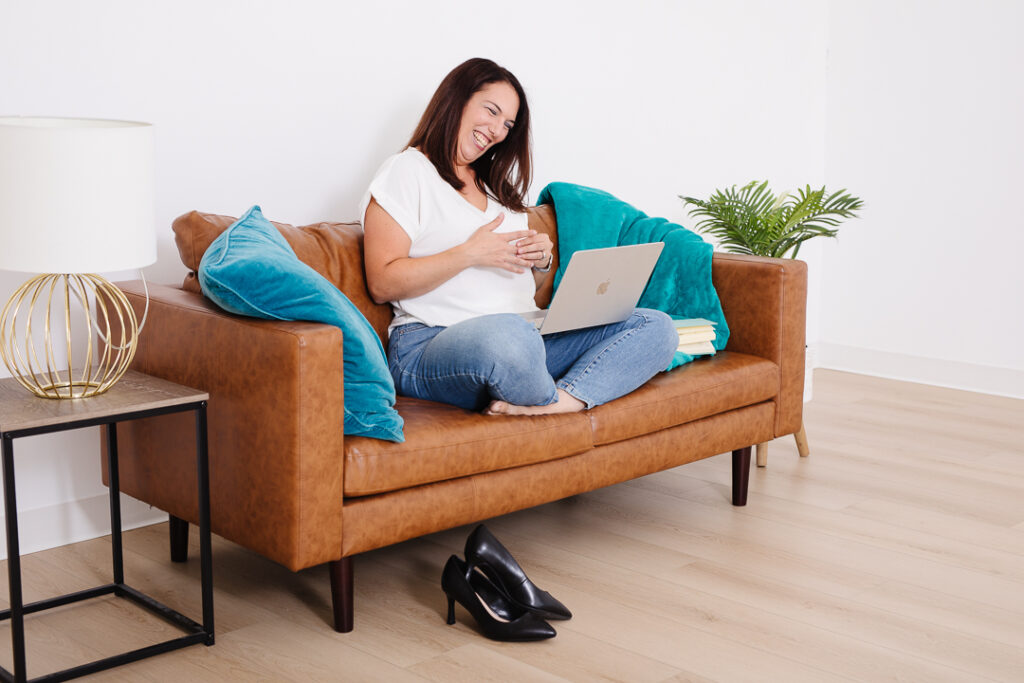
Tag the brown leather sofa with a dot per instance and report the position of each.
(287, 484)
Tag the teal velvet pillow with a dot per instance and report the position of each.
(250, 269)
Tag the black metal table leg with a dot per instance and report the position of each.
(14, 562)
(115, 504)
(205, 550)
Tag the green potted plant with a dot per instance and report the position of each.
(753, 220)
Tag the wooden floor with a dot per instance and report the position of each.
(894, 552)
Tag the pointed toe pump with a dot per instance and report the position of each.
(498, 619)
(485, 552)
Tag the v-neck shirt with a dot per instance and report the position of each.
(436, 217)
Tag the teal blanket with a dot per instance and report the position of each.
(681, 282)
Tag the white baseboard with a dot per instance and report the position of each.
(79, 520)
(984, 379)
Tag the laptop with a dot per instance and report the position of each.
(599, 286)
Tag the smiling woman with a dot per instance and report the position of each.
(448, 244)
(486, 105)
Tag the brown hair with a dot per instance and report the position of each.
(503, 171)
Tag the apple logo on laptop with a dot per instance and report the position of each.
(603, 287)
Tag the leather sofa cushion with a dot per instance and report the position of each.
(444, 442)
(335, 250)
(705, 387)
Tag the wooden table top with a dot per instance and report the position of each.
(21, 409)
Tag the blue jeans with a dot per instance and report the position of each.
(504, 357)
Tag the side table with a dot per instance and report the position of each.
(135, 396)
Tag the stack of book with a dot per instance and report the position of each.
(695, 336)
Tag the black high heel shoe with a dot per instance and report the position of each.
(468, 588)
(484, 551)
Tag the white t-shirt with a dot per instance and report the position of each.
(436, 217)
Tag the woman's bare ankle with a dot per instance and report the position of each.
(564, 403)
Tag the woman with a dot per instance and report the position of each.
(447, 243)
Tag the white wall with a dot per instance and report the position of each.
(925, 104)
(294, 105)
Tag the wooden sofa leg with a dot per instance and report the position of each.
(341, 593)
(762, 454)
(801, 442)
(179, 539)
(740, 475)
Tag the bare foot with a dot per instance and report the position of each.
(564, 403)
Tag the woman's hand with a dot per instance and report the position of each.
(392, 275)
(498, 249)
(536, 248)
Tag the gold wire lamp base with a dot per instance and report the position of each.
(47, 372)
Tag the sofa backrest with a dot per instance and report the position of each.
(335, 250)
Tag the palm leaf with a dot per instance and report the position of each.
(753, 220)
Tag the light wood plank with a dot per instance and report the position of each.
(958, 614)
(941, 523)
(894, 634)
(881, 533)
(477, 663)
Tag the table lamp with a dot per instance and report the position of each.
(76, 199)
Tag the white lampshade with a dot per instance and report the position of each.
(76, 195)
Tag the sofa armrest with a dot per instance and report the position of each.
(765, 304)
(275, 425)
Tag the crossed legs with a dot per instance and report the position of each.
(501, 363)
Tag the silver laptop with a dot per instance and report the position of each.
(599, 286)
